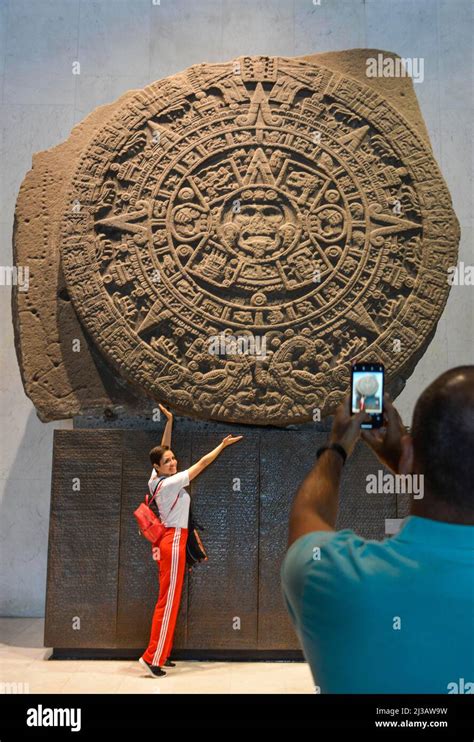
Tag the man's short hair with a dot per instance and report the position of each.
(443, 437)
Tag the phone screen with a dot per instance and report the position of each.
(367, 391)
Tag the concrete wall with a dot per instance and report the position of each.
(123, 44)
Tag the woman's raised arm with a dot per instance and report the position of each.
(166, 438)
(198, 467)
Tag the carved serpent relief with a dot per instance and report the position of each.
(267, 198)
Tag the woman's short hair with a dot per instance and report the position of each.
(156, 453)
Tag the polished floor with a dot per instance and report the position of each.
(24, 667)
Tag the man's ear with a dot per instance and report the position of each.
(407, 458)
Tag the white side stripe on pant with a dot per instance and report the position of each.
(169, 597)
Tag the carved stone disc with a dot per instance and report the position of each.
(277, 206)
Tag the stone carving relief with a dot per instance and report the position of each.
(267, 199)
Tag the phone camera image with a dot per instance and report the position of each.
(367, 393)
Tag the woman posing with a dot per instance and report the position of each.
(173, 506)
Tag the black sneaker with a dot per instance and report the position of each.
(168, 663)
(154, 670)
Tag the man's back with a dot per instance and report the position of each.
(395, 616)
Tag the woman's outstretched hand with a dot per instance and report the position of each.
(200, 465)
(166, 412)
(229, 439)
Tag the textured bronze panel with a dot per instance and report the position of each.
(286, 458)
(83, 553)
(102, 571)
(364, 512)
(223, 591)
(403, 505)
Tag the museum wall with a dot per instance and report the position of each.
(126, 44)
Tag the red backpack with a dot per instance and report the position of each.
(149, 525)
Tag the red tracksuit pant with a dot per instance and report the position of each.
(171, 566)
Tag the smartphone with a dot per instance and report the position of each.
(367, 389)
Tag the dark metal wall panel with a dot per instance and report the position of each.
(138, 572)
(285, 458)
(223, 591)
(403, 505)
(359, 510)
(101, 570)
(84, 535)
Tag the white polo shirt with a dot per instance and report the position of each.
(170, 487)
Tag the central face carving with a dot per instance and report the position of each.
(257, 224)
(258, 228)
(263, 219)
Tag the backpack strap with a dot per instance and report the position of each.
(160, 482)
(148, 501)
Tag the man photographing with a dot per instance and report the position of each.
(392, 616)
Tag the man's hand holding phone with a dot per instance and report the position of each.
(346, 427)
(367, 389)
(386, 442)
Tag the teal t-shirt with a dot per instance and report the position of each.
(392, 616)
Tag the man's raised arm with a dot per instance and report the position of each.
(317, 500)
